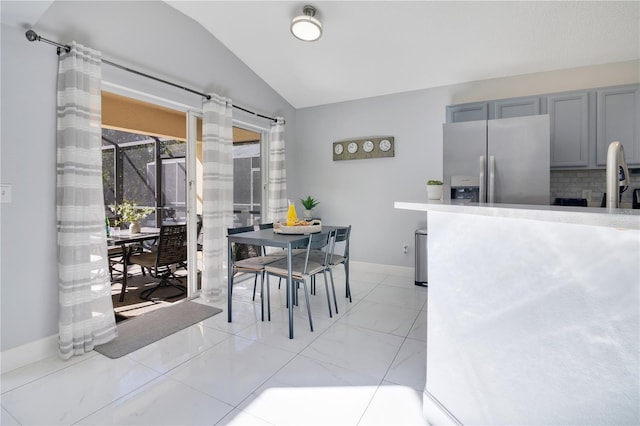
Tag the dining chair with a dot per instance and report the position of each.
(277, 253)
(171, 252)
(296, 249)
(302, 267)
(248, 258)
(341, 236)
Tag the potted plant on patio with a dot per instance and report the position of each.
(129, 212)
(308, 203)
(434, 189)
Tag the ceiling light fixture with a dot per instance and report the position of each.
(306, 27)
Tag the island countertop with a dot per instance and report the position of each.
(615, 218)
(533, 314)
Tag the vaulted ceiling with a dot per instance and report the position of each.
(372, 48)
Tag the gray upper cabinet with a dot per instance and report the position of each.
(504, 108)
(516, 107)
(467, 112)
(583, 123)
(569, 116)
(618, 119)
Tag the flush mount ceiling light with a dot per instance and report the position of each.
(306, 27)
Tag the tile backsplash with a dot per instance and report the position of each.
(577, 184)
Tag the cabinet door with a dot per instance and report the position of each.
(517, 107)
(467, 112)
(569, 115)
(618, 120)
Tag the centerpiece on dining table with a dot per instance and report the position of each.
(293, 225)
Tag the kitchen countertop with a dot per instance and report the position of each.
(597, 216)
(553, 289)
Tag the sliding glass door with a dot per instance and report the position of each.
(247, 177)
(130, 174)
(153, 157)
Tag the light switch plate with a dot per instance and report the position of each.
(5, 193)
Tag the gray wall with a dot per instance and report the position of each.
(28, 271)
(362, 192)
(149, 36)
(155, 38)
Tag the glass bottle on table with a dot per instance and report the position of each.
(292, 216)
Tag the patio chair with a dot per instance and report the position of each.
(171, 252)
(115, 257)
(116, 253)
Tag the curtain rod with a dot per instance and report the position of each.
(33, 36)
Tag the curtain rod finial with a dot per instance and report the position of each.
(31, 35)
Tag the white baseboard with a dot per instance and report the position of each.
(402, 271)
(434, 413)
(28, 353)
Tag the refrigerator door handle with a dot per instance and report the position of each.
(492, 178)
(482, 180)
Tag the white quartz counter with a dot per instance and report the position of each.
(615, 218)
(533, 314)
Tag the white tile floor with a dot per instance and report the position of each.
(364, 366)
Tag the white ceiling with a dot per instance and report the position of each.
(372, 48)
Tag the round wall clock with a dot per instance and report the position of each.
(338, 149)
(385, 145)
(352, 148)
(367, 146)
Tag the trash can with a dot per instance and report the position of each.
(421, 257)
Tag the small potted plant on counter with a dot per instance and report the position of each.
(434, 189)
(129, 212)
(308, 203)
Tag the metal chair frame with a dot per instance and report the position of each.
(341, 235)
(253, 264)
(171, 252)
(302, 267)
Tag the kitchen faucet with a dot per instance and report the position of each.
(617, 174)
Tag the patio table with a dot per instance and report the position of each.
(125, 239)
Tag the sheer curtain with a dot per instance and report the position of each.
(217, 192)
(277, 189)
(86, 317)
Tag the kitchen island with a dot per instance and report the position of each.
(533, 314)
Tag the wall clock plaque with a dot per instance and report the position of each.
(356, 149)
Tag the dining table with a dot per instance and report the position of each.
(126, 240)
(268, 238)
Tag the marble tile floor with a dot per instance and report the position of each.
(364, 366)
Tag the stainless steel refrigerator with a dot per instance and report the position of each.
(498, 161)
